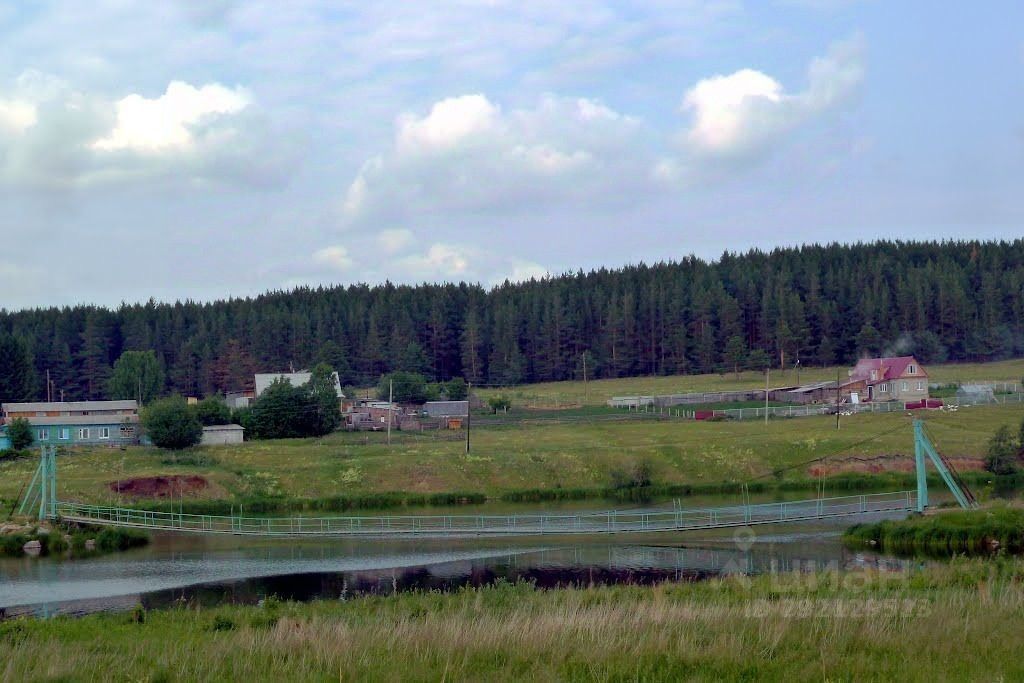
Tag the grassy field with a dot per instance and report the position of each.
(599, 391)
(520, 457)
(961, 621)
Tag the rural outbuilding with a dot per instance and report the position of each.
(222, 435)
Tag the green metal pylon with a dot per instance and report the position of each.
(924, 447)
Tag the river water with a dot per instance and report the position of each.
(209, 570)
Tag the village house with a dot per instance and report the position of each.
(886, 379)
(73, 423)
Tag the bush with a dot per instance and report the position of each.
(456, 389)
(170, 423)
(20, 433)
(213, 411)
(1002, 452)
(496, 403)
(283, 411)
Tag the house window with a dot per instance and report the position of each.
(43, 434)
(65, 433)
(83, 433)
(127, 431)
(104, 432)
(904, 386)
(912, 370)
(884, 388)
(920, 386)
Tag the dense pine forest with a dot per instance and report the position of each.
(816, 304)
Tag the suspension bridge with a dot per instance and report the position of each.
(42, 501)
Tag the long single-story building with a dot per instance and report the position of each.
(73, 423)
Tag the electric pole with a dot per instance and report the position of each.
(767, 374)
(469, 412)
(391, 395)
(837, 398)
(586, 395)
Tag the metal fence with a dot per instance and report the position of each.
(854, 408)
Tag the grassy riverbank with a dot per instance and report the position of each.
(530, 461)
(861, 626)
(946, 533)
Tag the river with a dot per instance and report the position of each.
(209, 570)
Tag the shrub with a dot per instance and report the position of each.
(213, 411)
(1002, 452)
(170, 423)
(20, 433)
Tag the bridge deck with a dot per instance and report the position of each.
(464, 526)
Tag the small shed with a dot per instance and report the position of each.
(222, 435)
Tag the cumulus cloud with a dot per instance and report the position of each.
(169, 121)
(466, 154)
(336, 257)
(52, 135)
(740, 115)
(394, 241)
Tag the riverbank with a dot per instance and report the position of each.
(945, 533)
(63, 540)
(857, 626)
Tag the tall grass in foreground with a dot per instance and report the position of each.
(947, 533)
(865, 626)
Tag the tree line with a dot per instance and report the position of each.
(820, 304)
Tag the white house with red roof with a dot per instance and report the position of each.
(887, 379)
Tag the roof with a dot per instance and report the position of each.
(296, 379)
(446, 408)
(70, 406)
(887, 369)
(807, 388)
(223, 428)
(60, 420)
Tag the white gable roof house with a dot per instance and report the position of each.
(296, 379)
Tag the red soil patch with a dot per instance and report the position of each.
(885, 463)
(160, 487)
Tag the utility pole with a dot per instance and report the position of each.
(767, 374)
(49, 387)
(586, 395)
(837, 398)
(469, 412)
(798, 372)
(391, 395)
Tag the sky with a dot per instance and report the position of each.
(175, 149)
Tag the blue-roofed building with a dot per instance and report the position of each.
(5, 441)
(77, 423)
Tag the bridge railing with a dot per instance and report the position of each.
(611, 521)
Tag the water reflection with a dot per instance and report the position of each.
(248, 574)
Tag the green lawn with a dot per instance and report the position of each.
(599, 391)
(961, 621)
(518, 457)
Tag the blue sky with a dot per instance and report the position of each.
(175, 149)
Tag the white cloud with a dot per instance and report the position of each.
(16, 116)
(451, 122)
(744, 112)
(441, 261)
(168, 121)
(394, 241)
(467, 154)
(336, 257)
(53, 135)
